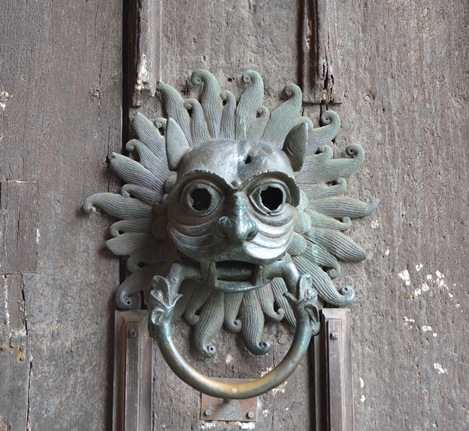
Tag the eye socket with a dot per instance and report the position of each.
(201, 198)
(270, 199)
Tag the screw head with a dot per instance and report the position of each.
(208, 412)
(132, 332)
(334, 335)
(250, 415)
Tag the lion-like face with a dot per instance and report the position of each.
(232, 207)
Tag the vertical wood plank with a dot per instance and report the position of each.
(132, 372)
(15, 376)
(144, 48)
(60, 116)
(15, 361)
(320, 76)
(405, 79)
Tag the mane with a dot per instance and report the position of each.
(323, 216)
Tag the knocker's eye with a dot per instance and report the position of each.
(270, 198)
(201, 198)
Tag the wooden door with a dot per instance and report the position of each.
(60, 115)
(393, 70)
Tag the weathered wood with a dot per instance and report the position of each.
(144, 48)
(225, 37)
(405, 98)
(320, 76)
(132, 372)
(19, 241)
(61, 68)
(13, 316)
(15, 376)
(15, 360)
(332, 373)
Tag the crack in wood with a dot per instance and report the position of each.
(28, 404)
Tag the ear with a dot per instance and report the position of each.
(295, 145)
(176, 144)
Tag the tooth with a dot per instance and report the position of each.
(209, 273)
(258, 277)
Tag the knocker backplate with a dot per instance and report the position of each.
(219, 409)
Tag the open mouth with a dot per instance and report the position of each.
(235, 270)
(233, 276)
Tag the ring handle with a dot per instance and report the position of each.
(307, 325)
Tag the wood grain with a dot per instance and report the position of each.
(405, 100)
(18, 208)
(61, 68)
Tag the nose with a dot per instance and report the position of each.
(236, 224)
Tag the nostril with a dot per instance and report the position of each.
(236, 229)
(222, 226)
(252, 230)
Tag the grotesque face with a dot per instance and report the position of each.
(219, 185)
(232, 208)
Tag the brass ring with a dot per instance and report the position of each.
(307, 325)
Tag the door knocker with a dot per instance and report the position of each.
(232, 214)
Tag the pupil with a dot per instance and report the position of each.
(272, 198)
(201, 199)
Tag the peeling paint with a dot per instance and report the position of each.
(228, 359)
(265, 413)
(408, 321)
(362, 398)
(437, 280)
(280, 388)
(439, 368)
(362, 383)
(247, 425)
(404, 275)
(4, 98)
(7, 311)
(426, 328)
(208, 426)
(142, 74)
(375, 224)
(386, 252)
